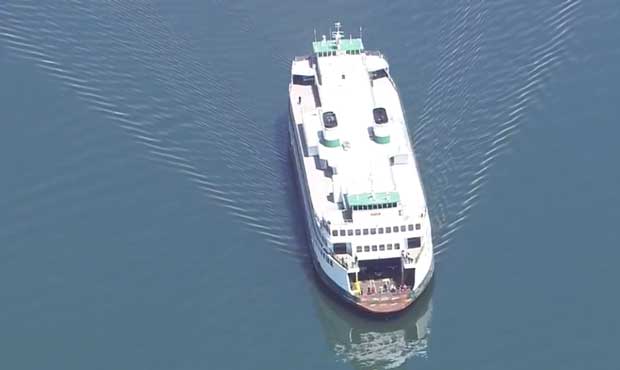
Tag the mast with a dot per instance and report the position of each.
(337, 35)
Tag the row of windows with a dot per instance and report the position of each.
(379, 230)
(380, 247)
(374, 206)
(332, 53)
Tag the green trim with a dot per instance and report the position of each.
(382, 139)
(328, 143)
(331, 143)
(370, 199)
(350, 46)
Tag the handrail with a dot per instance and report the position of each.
(343, 263)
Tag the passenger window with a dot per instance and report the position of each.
(358, 232)
(414, 242)
(380, 230)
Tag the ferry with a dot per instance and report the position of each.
(364, 204)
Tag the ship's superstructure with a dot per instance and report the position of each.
(369, 227)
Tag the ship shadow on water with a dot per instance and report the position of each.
(358, 338)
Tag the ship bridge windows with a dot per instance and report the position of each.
(374, 206)
(303, 80)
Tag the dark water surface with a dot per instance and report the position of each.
(149, 212)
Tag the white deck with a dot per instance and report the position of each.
(363, 167)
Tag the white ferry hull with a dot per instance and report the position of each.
(369, 230)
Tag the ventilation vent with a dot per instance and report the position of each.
(381, 134)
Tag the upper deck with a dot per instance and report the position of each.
(358, 159)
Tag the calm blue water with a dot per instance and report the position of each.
(149, 212)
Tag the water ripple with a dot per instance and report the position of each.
(468, 118)
(125, 62)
